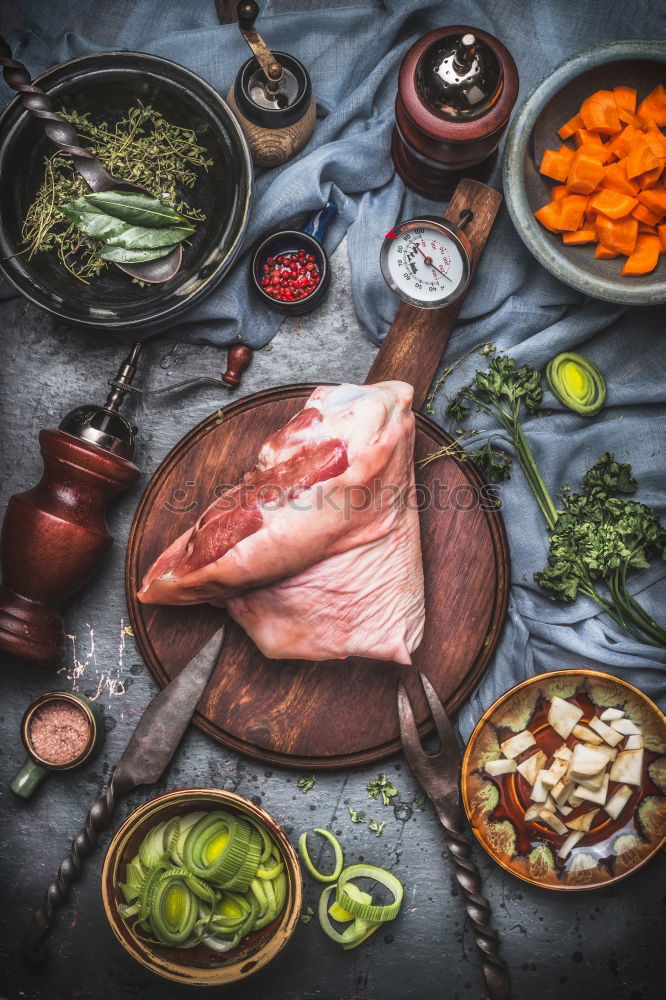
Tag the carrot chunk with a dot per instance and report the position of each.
(579, 236)
(585, 173)
(549, 216)
(572, 210)
(640, 159)
(599, 113)
(654, 106)
(645, 216)
(556, 165)
(654, 200)
(625, 98)
(618, 234)
(661, 231)
(615, 179)
(613, 204)
(568, 129)
(605, 253)
(645, 256)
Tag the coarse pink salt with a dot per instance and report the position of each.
(59, 732)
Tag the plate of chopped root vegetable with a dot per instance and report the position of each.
(585, 172)
(564, 780)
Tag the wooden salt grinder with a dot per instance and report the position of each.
(271, 97)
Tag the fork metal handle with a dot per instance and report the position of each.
(495, 969)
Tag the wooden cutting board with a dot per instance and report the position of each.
(340, 712)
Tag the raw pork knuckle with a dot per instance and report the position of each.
(316, 552)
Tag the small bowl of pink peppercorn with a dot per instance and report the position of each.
(290, 268)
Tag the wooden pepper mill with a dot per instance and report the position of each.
(55, 536)
(456, 89)
(271, 97)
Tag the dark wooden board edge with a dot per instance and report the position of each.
(479, 667)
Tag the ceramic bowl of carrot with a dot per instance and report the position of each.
(585, 172)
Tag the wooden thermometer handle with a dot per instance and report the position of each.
(417, 339)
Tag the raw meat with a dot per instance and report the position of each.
(316, 552)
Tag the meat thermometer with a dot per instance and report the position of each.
(427, 261)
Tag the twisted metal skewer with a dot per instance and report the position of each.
(57, 128)
(71, 869)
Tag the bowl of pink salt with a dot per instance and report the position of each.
(60, 731)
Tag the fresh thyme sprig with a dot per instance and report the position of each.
(143, 147)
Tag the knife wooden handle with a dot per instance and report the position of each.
(33, 947)
(495, 969)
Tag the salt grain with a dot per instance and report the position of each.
(59, 732)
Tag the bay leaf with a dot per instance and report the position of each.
(143, 238)
(96, 224)
(134, 207)
(121, 256)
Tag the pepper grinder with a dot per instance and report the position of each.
(456, 89)
(271, 97)
(55, 536)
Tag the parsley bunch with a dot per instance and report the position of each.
(599, 536)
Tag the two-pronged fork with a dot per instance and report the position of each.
(438, 775)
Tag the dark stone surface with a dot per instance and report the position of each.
(591, 946)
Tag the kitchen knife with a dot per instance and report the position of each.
(146, 757)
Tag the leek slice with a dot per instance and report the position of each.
(352, 936)
(577, 382)
(333, 841)
(369, 911)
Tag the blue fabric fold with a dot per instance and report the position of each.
(353, 54)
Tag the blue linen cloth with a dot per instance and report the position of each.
(353, 54)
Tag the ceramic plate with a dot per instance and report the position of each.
(496, 806)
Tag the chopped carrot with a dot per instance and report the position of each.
(615, 179)
(556, 165)
(549, 216)
(618, 234)
(613, 204)
(611, 189)
(580, 236)
(599, 113)
(572, 210)
(640, 159)
(570, 127)
(661, 232)
(654, 106)
(604, 253)
(645, 256)
(585, 173)
(654, 200)
(625, 98)
(644, 215)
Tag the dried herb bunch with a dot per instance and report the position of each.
(143, 147)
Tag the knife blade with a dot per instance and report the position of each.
(144, 760)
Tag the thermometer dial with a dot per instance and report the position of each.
(426, 261)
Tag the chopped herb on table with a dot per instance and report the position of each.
(376, 827)
(306, 782)
(598, 537)
(142, 148)
(382, 786)
(354, 816)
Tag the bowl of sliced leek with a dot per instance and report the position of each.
(201, 887)
(564, 780)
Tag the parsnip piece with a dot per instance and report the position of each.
(532, 813)
(611, 713)
(628, 767)
(515, 745)
(562, 795)
(555, 772)
(570, 843)
(626, 727)
(496, 767)
(608, 735)
(594, 783)
(575, 800)
(597, 796)
(609, 752)
(583, 822)
(563, 716)
(586, 735)
(550, 803)
(618, 801)
(539, 791)
(530, 767)
(564, 753)
(634, 743)
(566, 810)
(550, 819)
(586, 763)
